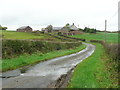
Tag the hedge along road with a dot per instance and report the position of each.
(45, 73)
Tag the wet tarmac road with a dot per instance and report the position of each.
(45, 73)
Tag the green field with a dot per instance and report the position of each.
(23, 60)
(26, 35)
(26, 59)
(92, 72)
(111, 37)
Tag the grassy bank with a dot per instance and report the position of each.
(23, 60)
(92, 72)
(111, 37)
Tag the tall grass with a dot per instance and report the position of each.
(112, 65)
(113, 51)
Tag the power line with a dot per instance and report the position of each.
(116, 12)
(112, 17)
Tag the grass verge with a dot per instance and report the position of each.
(92, 72)
(23, 60)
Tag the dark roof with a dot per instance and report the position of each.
(23, 27)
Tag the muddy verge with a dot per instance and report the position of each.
(63, 81)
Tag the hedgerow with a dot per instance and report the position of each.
(14, 48)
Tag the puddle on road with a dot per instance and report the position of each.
(12, 73)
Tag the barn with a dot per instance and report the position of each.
(24, 29)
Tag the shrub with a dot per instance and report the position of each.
(112, 51)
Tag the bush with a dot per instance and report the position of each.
(14, 48)
(112, 51)
(98, 41)
(78, 39)
(89, 30)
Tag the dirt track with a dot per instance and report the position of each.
(45, 73)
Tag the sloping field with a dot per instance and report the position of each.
(111, 37)
(26, 35)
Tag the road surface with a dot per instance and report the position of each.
(45, 73)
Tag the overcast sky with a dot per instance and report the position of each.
(40, 13)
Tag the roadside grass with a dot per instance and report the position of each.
(92, 72)
(25, 35)
(23, 60)
(111, 37)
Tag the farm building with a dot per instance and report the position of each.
(57, 29)
(66, 30)
(70, 30)
(75, 32)
(50, 29)
(72, 27)
(24, 29)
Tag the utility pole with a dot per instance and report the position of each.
(105, 31)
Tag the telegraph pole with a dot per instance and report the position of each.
(105, 31)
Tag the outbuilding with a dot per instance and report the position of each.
(24, 29)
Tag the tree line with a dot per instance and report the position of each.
(88, 30)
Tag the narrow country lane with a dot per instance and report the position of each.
(45, 73)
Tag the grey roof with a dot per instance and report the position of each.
(57, 28)
(23, 27)
(72, 27)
